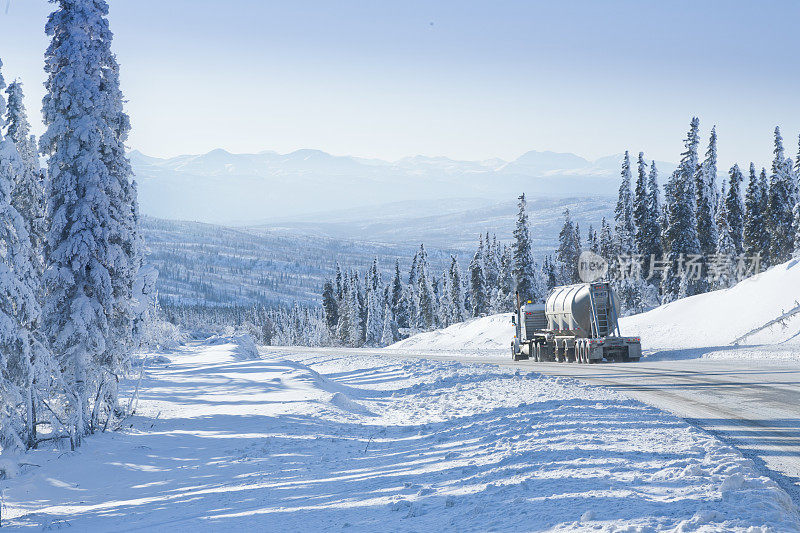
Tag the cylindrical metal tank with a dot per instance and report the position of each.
(569, 310)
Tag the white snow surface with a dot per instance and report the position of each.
(309, 439)
(478, 336)
(717, 319)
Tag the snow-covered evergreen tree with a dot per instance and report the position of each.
(389, 330)
(330, 306)
(606, 240)
(706, 198)
(623, 213)
(592, 243)
(490, 263)
(680, 236)
(25, 367)
(456, 304)
(504, 296)
(374, 325)
(477, 285)
(734, 210)
(398, 300)
(549, 273)
(356, 326)
(780, 205)
(722, 266)
(92, 244)
(426, 318)
(27, 195)
(568, 251)
(641, 213)
(755, 237)
(344, 305)
(648, 226)
(523, 265)
(796, 230)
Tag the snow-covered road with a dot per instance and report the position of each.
(308, 439)
(748, 396)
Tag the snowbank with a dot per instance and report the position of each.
(719, 318)
(491, 333)
(243, 345)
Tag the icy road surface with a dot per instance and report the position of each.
(347, 440)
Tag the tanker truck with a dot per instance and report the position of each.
(577, 323)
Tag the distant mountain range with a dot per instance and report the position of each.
(246, 189)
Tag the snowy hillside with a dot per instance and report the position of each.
(225, 188)
(328, 441)
(214, 265)
(486, 335)
(720, 318)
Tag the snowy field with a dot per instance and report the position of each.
(313, 439)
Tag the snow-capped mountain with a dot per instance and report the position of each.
(225, 188)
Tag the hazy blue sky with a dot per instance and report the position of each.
(463, 79)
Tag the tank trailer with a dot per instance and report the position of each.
(577, 323)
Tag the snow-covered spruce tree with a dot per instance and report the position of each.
(648, 226)
(796, 171)
(780, 205)
(654, 211)
(355, 326)
(456, 304)
(568, 251)
(623, 213)
(592, 243)
(796, 230)
(330, 306)
(523, 268)
(91, 244)
(754, 235)
(124, 237)
(680, 236)
(374, 325)
(445, 296)
(504, 297)
(427, 302)
(706, 198)
(24, 364)
(477, 286)
(27, 195)
(734, 209)
(722, 269)
(399, 301)
(345, 320)
(389, 331)
(490, 264)
(549, 274)
(606, 240)
(641, 213)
